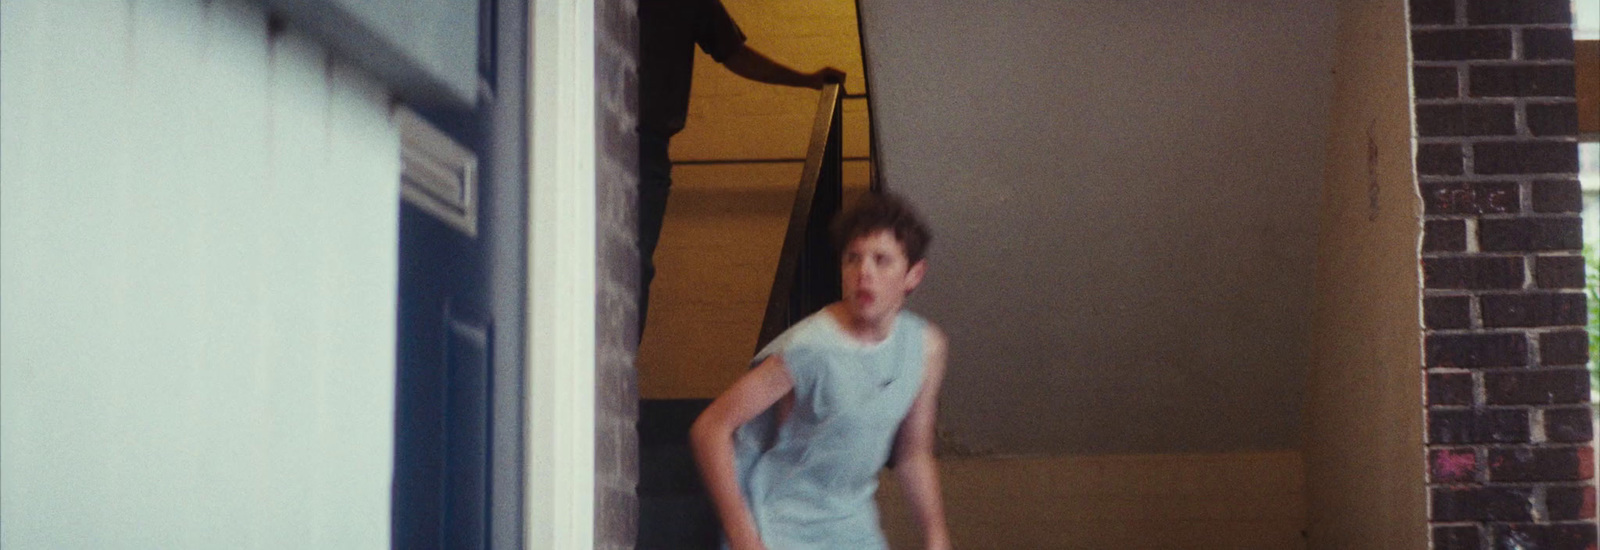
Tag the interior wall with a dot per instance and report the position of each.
(199, 229)
(1233, 501)
(1123, 200)
(1363, 419)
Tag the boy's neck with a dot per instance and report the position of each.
(865, 330)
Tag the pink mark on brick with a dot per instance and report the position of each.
(1587, 512)
(1586, 464)
(1454, 465)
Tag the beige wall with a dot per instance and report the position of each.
(1363, 421)
(725, 222)
(1123, 195)
(1240, 501)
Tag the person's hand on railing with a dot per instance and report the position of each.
(826, 76)
(756, 66)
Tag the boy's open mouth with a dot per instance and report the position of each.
(864, 297)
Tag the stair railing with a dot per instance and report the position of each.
(874, 176)
(807, 278)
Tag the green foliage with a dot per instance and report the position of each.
(1591, 285)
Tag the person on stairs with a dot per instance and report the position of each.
(668, 33)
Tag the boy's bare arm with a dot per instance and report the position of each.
(918, 470)
(712, 439)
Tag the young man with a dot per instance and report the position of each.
(791, 452)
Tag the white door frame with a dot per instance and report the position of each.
(559, 455)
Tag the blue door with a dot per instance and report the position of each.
(442, 399)
(457, 398)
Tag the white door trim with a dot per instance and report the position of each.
(560, 390)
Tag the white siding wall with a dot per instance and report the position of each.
(197, 282)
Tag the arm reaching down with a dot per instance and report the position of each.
(917, 470)
(753, 65)
(712, 439)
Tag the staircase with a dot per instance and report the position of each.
(674, 511)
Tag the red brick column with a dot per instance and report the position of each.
(1510, 427)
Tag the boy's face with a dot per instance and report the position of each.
(877, 276)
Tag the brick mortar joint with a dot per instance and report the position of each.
(1504, 216)
(1478, 139)
(1557, 446)
(1489, 26)
(1494, 408)
(1494, 62)
(1534, 292)
(1482, 178)
(1456, 254)
(1489, 331)
(1517, 370)
(1506, 101)
(1531, 486)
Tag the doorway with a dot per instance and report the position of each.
(462, 277)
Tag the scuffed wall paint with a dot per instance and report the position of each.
(1363, 416)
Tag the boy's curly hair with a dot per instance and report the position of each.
(875, 212)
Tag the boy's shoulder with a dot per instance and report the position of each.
(808, 332)
(935, 336)
(815, 329)
(820, 331)
(920, 323)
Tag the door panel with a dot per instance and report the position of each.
(459, 285)
(441, 396)
(466, 437)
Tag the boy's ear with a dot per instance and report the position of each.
(914, 275)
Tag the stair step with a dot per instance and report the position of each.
(674, 512)
(668, 470)
(667, 421)
(677, 522)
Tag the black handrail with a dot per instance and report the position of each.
(807, 278)
(874, 174)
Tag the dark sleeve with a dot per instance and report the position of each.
(715, 31)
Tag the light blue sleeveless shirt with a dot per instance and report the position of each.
(810, 482)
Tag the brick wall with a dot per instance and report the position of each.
(1510, 428)
(617, 394)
